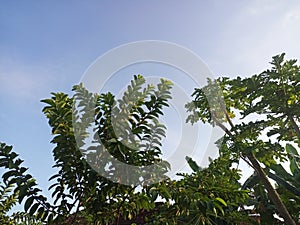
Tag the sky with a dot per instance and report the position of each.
(46, 46)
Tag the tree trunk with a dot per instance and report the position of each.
(273, 195)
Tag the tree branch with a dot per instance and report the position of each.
(273, 195)
(295, 126)
(219, 124)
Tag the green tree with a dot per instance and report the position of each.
(12, 189)
(260, 118)
(260, 114)
(84, 196)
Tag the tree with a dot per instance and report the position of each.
(260, 128)
(266, 110)
(10, 192)
(287, 185)
(82, 195)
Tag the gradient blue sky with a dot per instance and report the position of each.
(45, 46)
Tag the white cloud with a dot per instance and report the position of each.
(257, 32)
(21, 82)
(259, 7)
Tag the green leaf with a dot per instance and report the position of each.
(294, 164)
(221, 200)
(50, 219)
(33, 208)
(280, 181)
(194, 166)
(9, 174)
(291, 150)
(28, 203)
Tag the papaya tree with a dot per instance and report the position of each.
(259, 115)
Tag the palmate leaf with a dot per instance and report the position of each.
(282, 177)
(250, 181)
(294, 159)
(281, 182)
(280, 171)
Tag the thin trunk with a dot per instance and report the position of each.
(273, 195)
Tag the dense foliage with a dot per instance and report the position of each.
(260, 115)
(260, 118)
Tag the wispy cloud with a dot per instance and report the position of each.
(260, 30)
(21, 82)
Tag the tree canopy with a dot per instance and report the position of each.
(259, 116)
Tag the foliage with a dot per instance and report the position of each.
(78, 186)
(265, 110)
(8, 200)
(91, 187)
(209, 196)
(14, 187)
(82, 194)
(288, 183)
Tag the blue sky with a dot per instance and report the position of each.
(45, 46)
